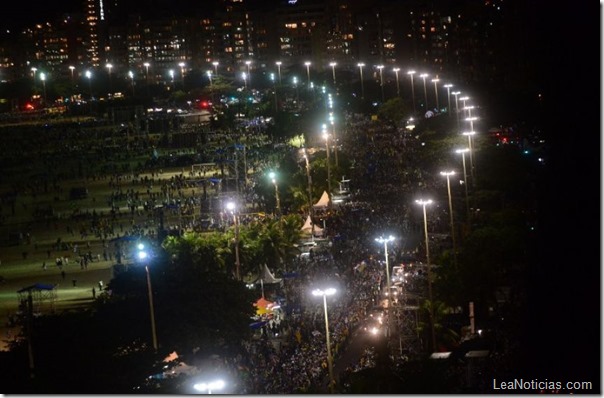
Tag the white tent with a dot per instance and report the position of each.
(267, 277)
(323, 202)
(307, 228)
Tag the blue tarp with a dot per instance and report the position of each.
(258, 325)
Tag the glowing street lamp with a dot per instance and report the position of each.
(424, 76)
(142, 256)
(131, 75)
(278, 63)
(324, 294)
(448, 87)
(326, 137)
(210, 386)
(469, 134)
(436, 92)
(71, 68)
(33, 70)
(171, 73)
(244, 77)
(456, 94)
(182, 72)
(209, 74)
(465, 178)
(232, 207)
(109, 67)
(423, 203)
(333, 71)
(385, 242)
(249, 75)
(43, 78)
(309, 181)
(449, 174)
(307, 63)
(272, 77)
(273, 178)
(335, 140)
(380, 67)
(360, 65)
(398, 89)
(411, 73)
(89, 76)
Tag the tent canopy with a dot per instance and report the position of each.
(308, 227)
(324, 201)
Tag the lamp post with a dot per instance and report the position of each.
(448, 87)
(385, 242)
(398, 89)
(333, 71)
(456, 94)
(469, 134)
(209, 74)
(335, 140)
(326, 137)
(411, 73)
(423, 203)
(309, 181)
(89, 76)
(449, 174)
(146, 65)
(463, 101)
(33, 70)
(244, 76)
(272, 77)
(278, 63)
(324, 294)
(465, 178)
(360, 65)
(43, 78)
(232, 208)
(295, 82)
(142, 257)
(249, 75)
(109, 67)
(307, 63)
(213, 385)
(435, 81)
(71, 68)
(182, 73)
(273, 178)
(131, 75)
(424, 76)
(380, 67)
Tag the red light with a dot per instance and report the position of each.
(204, 104)
(29, 106)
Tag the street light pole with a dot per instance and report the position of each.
(448, 87)
(249, 75)
(278, 63)
(131, 75)
(398, 89)
(470, 134)
(89, 76)
(273, 178)
(109, 67)
(232, 208)
(326, 136)
(423, 203)
(411, 73)
(333, 71)
(385, 242)
(380, 67)
(456, 93)
(142, 256)
(43, 78)
(309, 180)
(465, 178)
(448, 174)
(335, 140)
(307, 63)
(360, 65)
(436, 92)
(424, 76)
(182, 73)
(325, 293)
